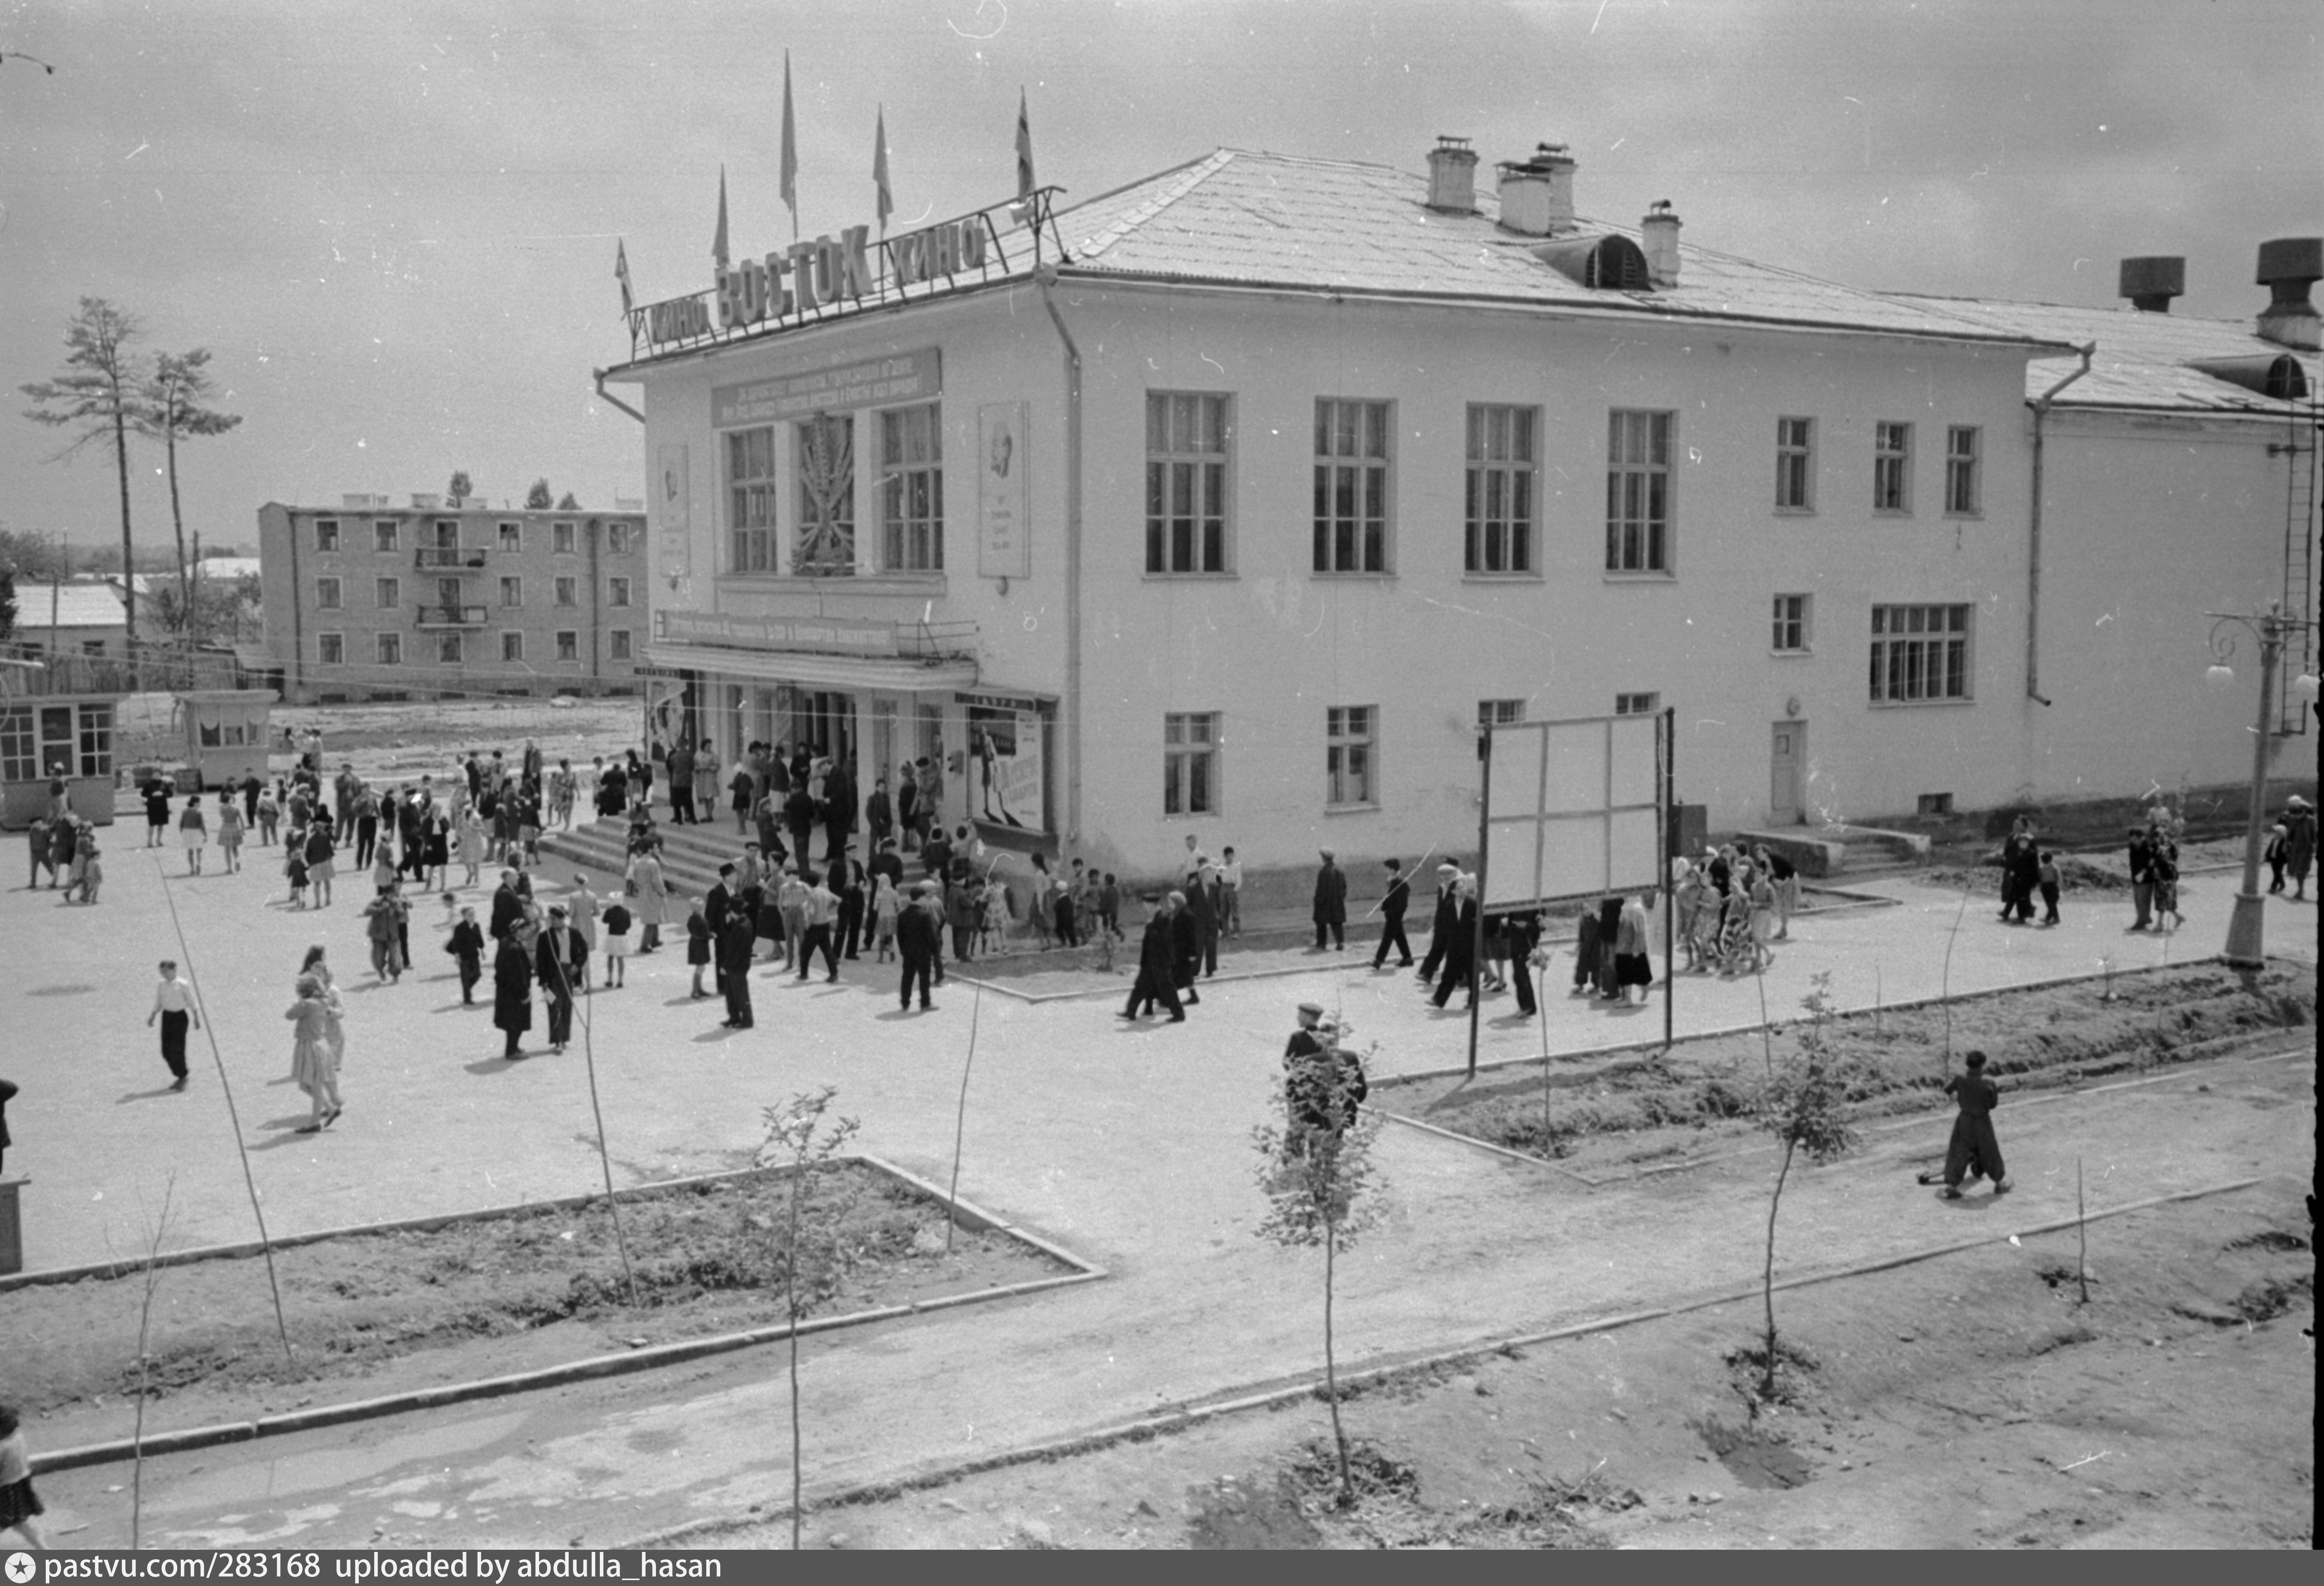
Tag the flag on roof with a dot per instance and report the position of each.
(1024, 149)
(791, 150)
(621, 274)
(718, 242)
(887, 202)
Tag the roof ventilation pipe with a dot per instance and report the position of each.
(2151, 282)
(1658, 237)
(1537, 194)
(2288, 267)
(1452, 176)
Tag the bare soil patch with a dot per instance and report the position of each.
(1611, 1112)
(375, 1312)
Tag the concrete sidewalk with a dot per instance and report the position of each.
(1129, 1144)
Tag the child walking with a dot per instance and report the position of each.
(884, 905)
(20, 1506)
(697, 948)
(617, 917)
(193, 831)
(2049, 887)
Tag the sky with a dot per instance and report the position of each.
(393, 225)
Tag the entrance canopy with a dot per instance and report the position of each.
(848, 673)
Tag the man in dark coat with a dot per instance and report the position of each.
(735, 940)
(915, 945)
(799, 817)
(1461, 947)
(935, 857)
(1521, 931)
(2142, 876)
(512, 993)
(468, 946)
(1330, 912)
(560, 960)
(1974, 1153)
(1322, 1082)
(1392, 906)
(838, 812)
(888, 862)
(878, 815)
(1440, 930)
(681, 785)
(508, 908)
(1185, 949)
(1202, 913)
(1156, 968)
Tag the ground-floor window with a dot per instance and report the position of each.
(1919, 653)
(331, 649)
(387, 648)
(617, 643)
(1190, 763)
(1349, 754)
(568, 645)
(448, 649)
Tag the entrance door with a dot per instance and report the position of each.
(1785, 802)
(824, 722)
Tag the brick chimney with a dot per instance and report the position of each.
(1452, 176)
(2288, 267)
(1537, 194)
(1658, 239)
(2151, 282)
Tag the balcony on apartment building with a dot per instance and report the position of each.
(451, 616)
(433, 558)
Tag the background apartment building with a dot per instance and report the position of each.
(368, 600)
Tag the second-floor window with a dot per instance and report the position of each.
(1637, 491)
(1187, 438)
(387, 592)
(617, 591)
(1892, 467)
(1962, 499)
(824, 545)
(911, 491)
(1795, 465)
(1351, 450)
(617, 644)
(565, 591)
(327, 595)
(1791, 624)
(617, 540)
(751, 500)
(1499, 503)
(511, 592)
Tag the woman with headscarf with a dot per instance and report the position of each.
(512, 990)
(313, 1063)
(1632, 966)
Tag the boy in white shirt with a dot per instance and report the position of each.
(173, 1005)
(1230, 892)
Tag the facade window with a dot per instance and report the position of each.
(1795, 465)
(383, 537)
(448, 649)
(617, 643)
(560, 540)
(1892, 467)
(1349, 754)
(511, 645)
(20, 746)
(1500, 713)
(511, 593)
(447, 533)
(1961, 493)
(1501, 490)
(911, 491)
(1636, 705)
(1187, 438)
(1190, 763)
(751, 500)
(617, 591)
(617, 539)
(513, 537)
(1351, 486)
(1637, 491)
(568, 645)
(95, 740)
(388, 594)
(327, 597)
(388, 649)
(326, 534)
(1919, 653)
(568, 591)
(825, 546)
(1791, 635)
(331, 649)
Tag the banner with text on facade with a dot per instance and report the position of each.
(1004, 782)
(1004, 545)
(917, 377)
(1572, 809)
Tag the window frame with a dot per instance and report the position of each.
(1351, 756)
(912, 540)
(383, 536)
(1799, 624)
(449, 639)
(568, 645)
(1640, 702)
(1964, 471)
(1896, 460)
(1501, 712)
(1916, 646)
(1511, 533)
(387, 594)
(512, 583)
(617, 540)
(1646, 531)
(563, 539)
(1165, 509)
(1795, 466)
(618, 646)
(565, 592)
(510, 538)
(1352, 507)
(511, 647)
(326, 644)
(845, 521)
(330, 592)
(752, 500)
(326, 536)
(618, 590)
(387, 649)
(1191, 742)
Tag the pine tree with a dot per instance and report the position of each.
(171, 405)
(97, 395)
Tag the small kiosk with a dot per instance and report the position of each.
(56, 725)
(226, 734)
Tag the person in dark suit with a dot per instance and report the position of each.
(1440, 930)
(512, 993)
(1392, 906)
(1156, 967)
(468, 946)
(1521, 931)
(1331, 911)
(1973, 1152)
(508, 908)
(1185, 950)
(735, 941)
(838, 812)
(1460, 950)
(915, 945)
(1201, 913)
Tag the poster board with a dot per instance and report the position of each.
(1572, 809)
(1003, 509)
(1004, 781)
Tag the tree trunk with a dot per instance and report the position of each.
(1331, 1366)
(128, 573)
(1767, 1289)
(178, 521)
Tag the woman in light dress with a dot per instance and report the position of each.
(229, 833)
(193, 831)
(314, 1065)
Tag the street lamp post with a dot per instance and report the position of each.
(2245, 933)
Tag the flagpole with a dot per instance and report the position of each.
(790, 152)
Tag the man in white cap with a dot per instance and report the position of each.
(1322, 1082)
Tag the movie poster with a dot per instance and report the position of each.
(1005, 784)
